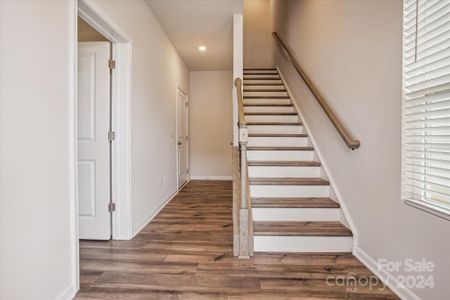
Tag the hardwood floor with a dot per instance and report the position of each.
(186, 253)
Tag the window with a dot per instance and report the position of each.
(426, 105)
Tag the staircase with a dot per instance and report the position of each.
(292, 200)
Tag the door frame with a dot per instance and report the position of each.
(180, 90)
(121, 42)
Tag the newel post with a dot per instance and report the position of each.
(243, 215)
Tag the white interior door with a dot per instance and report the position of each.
(182, 138)
(93, 143)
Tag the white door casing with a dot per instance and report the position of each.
(182, 147)
(93, 144)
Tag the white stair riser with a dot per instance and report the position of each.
(303, 244)
(275, 129)
(271, 118)
(295, 214)
(289, 190)
(278, 141)
(270, 109)
(266, 101)
(262, 155)
(261, 76)
(253, 81)
(276, 171)
(260, 71)
(265, 94)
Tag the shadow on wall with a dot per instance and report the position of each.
(258, 51)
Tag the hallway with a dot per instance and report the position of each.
(186, 253)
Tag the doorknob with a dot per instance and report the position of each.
(179, 143)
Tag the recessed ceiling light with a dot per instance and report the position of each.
(202, 48)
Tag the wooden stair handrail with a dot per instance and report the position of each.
(343, 132)
(238, 85)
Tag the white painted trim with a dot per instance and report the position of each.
(72, 156)
(121, 151)
(179, 89)
(68, 294)
(431, 208)
(387, 278)
(324, 165)
(201, 177)
(153, 215)
(95, 16)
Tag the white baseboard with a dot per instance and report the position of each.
(194, 177)
(387, 278)
(68, 294)
(152, 216)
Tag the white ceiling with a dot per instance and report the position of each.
(191, 23)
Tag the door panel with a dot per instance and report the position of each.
(182, 141)
(86, 185)
(93, 143)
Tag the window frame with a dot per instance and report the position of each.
(431, 207)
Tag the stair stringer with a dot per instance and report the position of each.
(335, 195)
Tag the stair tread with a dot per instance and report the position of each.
(282, 113)
(264, 90)
(274, 123)
(266, 97)
(294, 202)
(288, 181)
(284, 163)
(264, 75)
(315, 228)
(261, 73)
(260, 69)
(263, 84)
(269, 105)
(278, 135)
(277, 148)
(262, 78)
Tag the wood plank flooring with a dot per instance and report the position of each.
(186, 253)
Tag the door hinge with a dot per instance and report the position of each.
(111, 136)
(112, 64)
(187, 138)
(112, 207)
(187, 104)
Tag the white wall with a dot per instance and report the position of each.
(36, 40)
(210, 124)
(156, 70)
(36, 251)
(238, 66)
(258, 51)
(352, 51)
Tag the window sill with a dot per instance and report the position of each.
(430, 208)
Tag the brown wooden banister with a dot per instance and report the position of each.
(343, 132)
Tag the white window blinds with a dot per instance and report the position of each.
(426, 104)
